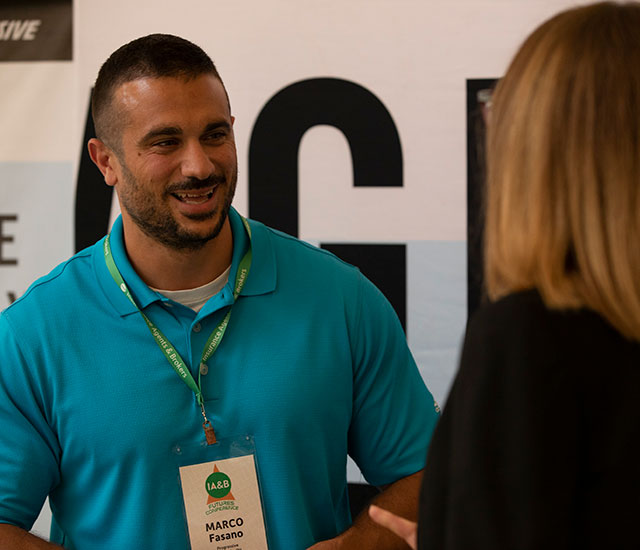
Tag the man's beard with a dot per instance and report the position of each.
(162, 226)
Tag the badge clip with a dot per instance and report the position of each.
(209, 434)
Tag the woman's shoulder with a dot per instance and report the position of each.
(526, 312)
(521, 325)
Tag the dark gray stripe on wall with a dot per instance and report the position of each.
(475, 191)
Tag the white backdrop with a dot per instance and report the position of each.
(414, 55)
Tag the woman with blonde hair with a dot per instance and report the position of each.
(539, 442)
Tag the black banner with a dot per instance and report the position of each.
(36, 30)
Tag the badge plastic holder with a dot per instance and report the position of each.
(221, 495)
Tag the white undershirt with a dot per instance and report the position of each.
(195, 298)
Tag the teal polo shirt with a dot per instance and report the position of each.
(314, 365)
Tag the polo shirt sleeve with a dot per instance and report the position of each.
(394, 413)
(28, 446)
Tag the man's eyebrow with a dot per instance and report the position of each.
(165, 131)
(223, 124)
(157, 132)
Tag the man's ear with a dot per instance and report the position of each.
(105, 159)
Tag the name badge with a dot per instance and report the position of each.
(222, 500)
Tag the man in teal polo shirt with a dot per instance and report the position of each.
(190, 331)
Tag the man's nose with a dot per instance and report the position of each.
(196, 163)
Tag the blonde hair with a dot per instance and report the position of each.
(563, 161)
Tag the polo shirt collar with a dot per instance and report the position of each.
(141, 293)
(262, 275)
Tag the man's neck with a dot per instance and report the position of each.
(162, 267)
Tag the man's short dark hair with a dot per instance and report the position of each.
(155, 55)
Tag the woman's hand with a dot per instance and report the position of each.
(405, 529)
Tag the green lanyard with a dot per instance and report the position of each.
(170, 353)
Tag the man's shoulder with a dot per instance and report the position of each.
(54, 289)
(295, 250)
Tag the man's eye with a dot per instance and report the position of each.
(164, 143)
(215, 136)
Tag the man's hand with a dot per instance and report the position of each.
(14, 538)
(402, 498)
(332, 544)
(407, 530)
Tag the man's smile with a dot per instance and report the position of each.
(195, 196)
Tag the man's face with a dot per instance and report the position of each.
(177, 161)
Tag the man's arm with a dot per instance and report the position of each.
(14, 538)
(401, 498)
